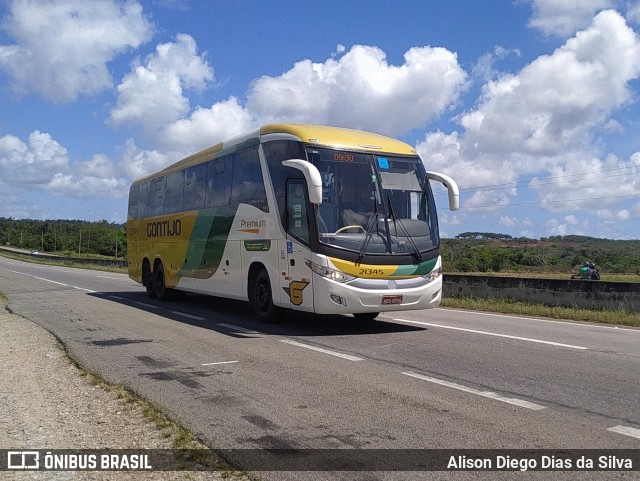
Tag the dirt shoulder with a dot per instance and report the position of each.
(46, 402)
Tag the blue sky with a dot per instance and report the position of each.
(531, 105)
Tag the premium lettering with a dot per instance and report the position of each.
(252, 224)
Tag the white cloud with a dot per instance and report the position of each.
(484, 69)
(508, 221)
(571, 220)
(359, 90)
(26, 164)
(42, 164)
(62, 48)
(152, 94)
(136, 162)
(206, 127)
(540, 121)
(565, 17)
(362, 90)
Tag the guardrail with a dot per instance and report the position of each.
(75, 260)
(601, 295)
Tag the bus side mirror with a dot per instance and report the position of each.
(452, 188)
(312, 177)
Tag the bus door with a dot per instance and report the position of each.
(295, 252)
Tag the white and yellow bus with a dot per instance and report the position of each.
(315, 218)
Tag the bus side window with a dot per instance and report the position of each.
(297, 223)
(174, 192)
(156, 200)
(195, 183)
(143, 199)
(219, 181)
(247, 186)
(134, 194)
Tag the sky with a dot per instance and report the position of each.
(530, 105)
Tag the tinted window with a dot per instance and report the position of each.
(277, 151)
(156, 199)
(133, 200)
(297, 224)
(195, 182)
(143, 199)
(174, 191)
(247, 185)
(219, 181)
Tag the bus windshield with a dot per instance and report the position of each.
(374, 203)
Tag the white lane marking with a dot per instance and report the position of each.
(216, 363)
(113, 278)
(189, 316)
(474, 331)
(626, 430)
(488, 394)
(117, 298)
(238, 328)
(144, 304)
(51, 281)
(617, 328)
(319, 349)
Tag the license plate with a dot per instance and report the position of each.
(389, 300)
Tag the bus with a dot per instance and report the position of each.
(315, 218)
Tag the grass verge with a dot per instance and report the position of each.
(180, 437)
(508, 306)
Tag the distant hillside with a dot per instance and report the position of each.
(489, 252)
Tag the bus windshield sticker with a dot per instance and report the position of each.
(383, 162)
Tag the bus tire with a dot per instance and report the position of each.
(366, 316)
(148, 281)
(262, 298)
(163, 293)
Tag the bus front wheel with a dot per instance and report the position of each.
(262, 298)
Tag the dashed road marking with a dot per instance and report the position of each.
(144, 304)
(325, 351)
(626, 430)
(485, 333)
(487, 394)
(238, 328)
(216, 363)
(188, 316)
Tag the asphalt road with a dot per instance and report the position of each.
(421, 379)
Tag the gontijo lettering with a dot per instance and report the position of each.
(164, 228)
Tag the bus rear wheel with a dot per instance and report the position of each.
(148, 281)
(262, 298)
(163, 293)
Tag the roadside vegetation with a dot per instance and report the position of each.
(531, 309)
(65, 237)
(555, 257)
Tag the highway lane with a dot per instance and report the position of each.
(414, 379)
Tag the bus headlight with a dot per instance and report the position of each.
(434, 274)
(329, 273)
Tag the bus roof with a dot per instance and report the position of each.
(320, 135)
(338, 137)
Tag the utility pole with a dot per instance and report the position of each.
(79, 243)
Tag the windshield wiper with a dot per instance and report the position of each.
(398, 222)
(373, 220)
